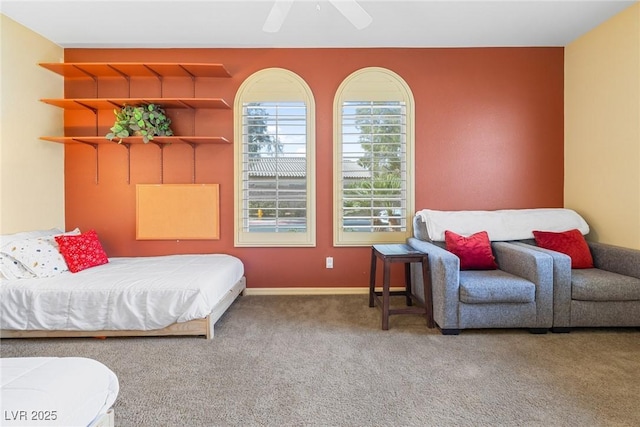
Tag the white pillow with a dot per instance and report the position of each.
(10, 267)
(7, 239)
(39, 256)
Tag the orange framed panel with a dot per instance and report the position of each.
(177, 211)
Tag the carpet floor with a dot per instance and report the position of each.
(324, 361)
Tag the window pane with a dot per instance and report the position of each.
(274, 163)
(374, 170)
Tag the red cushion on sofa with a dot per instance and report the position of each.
(82, 251)
(474, 251)
(569, 242)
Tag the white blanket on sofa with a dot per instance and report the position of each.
(501, 225)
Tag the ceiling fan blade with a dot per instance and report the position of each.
(353, 12)
(277, 16)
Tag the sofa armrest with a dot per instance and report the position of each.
(561, 284)
(420, 229)
(616, 259)
(445, 282)
(522, 261)
(535, 266)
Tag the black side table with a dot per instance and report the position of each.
(404, 254)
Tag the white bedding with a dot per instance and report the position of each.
(51, 391)
(138, 293)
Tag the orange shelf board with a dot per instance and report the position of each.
(135, 69)
(196, 103)
(80, 103)
(187, 139)
(110, 103)
(74, 70)
(92, 140)
(207, 70)
(76, 139)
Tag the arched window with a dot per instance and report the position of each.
(373, 159)
(274, 152)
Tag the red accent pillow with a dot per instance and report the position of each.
(569, 242)
(474, 251)
(82, 251)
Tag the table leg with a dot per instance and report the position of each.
(372, 278)
(428, 296)
(407, 282)
(385, 296)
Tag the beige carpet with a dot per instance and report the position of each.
(324, 361)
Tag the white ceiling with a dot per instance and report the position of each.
(310, 23)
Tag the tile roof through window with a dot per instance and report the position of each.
(296, 167)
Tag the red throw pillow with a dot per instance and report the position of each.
(82, 251)
(474, 251)
(570, 242)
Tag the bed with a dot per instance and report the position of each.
(52, 391)
(125, 296)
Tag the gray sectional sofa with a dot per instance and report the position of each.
(533, 288)
(606, 295)
(517, 295)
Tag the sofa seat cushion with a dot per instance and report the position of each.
(593, 284)
(494, 286)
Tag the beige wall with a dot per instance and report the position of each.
(31, 170)
(602, 129)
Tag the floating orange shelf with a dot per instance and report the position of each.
(99, 70)
(107, 104)
(135, 69)
(93, 140)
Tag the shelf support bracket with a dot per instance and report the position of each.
(193, 160)
(93, 110)
(128, 147)
(159, 77)
(161, 146)
(124, 76)
(97, 152)
(94, 77)
(193, 78)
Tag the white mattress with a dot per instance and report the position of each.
(140, 293)
(51, 391)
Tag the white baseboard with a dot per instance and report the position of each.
(312, 291)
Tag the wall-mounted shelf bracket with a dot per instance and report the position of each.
(128, 147)
(97, 151)
(161, 145)
(158, 76)
(193, 160)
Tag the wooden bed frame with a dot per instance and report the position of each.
(106, 420)
(192, 327)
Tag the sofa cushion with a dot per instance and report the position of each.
(495, 286)
(593, 284)
(570, 242)
(474, 251)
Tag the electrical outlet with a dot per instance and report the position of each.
(329, 262)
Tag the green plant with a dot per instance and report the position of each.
(146, 120)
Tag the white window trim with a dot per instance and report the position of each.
(274, 84)
(372, 84)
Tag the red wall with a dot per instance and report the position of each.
(489, 135)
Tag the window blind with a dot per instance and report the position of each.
(374, 168)
(274, 173)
